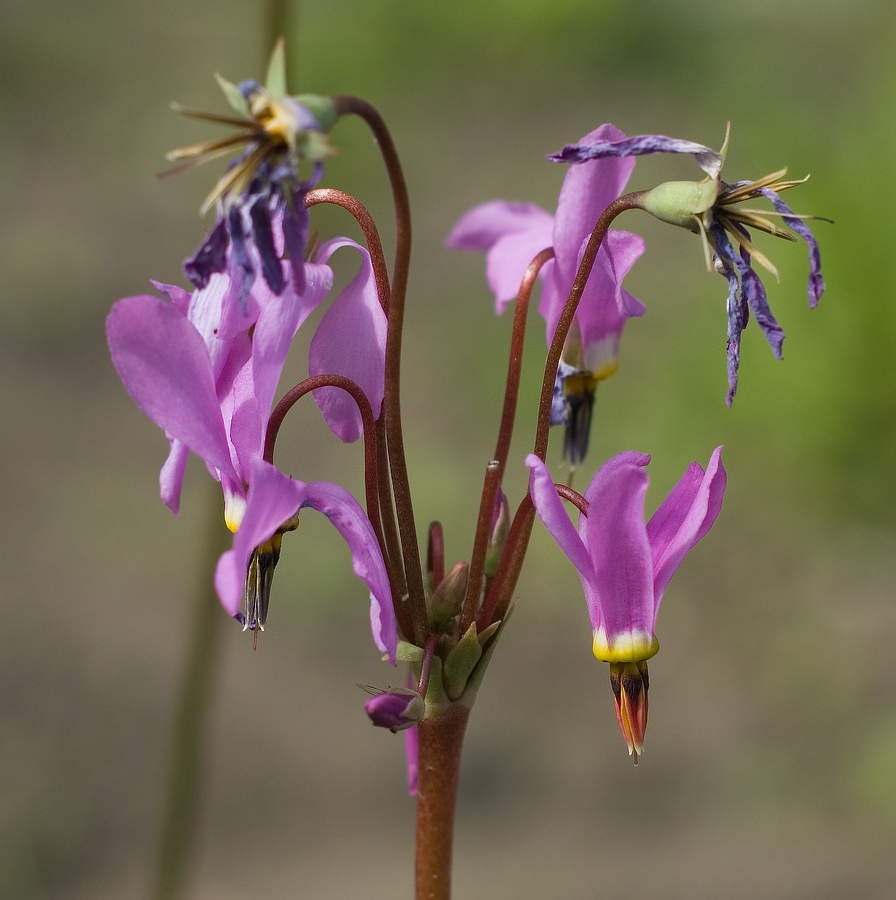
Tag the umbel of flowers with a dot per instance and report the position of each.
(204, 365)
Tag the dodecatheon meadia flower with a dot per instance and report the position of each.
(710, 208)
(209, 383)
(275, 498)
(260, 199)
(625, 564)
(512, 234)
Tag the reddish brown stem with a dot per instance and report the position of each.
(346, 105)
(480, 545)
(435, 554)
(574, 497)
(495, 472)
(515, 364)
(292, 396)
(371, 235)
(627, 201)
(440, 743)
(497, 602)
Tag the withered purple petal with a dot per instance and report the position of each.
(816, 281)
(271, 267)
(295, 236)
(211, 256)
(243, 264)
(640, 145)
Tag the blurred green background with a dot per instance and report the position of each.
(770, 768)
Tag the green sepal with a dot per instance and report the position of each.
(485, 636)
(322, 108)
(475, 680)
(460, 663)
(436, 699)
(275, 82)
(233, 95)
(411, 653)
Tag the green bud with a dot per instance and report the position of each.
(498, 539)
(681, 202)
(448, 598)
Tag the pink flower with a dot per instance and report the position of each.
(626, 564)
(511, 234)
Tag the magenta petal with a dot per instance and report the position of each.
(483, 226)
(350, 520)
(165, 367)
(588, 189)
(507, 262)
(351, 341)
(551, 511)
(273, 499)
(277, 325)
(616, 537)
(684, 518)
(171, 478)
(512, 234)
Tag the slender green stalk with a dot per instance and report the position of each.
(177, 834)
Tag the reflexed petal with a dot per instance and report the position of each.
(279, 320)
(511, 234)
(273, 499)
(483, 226)
(684, 519)
(171, 478)
(165, 367)
(616, 537)
(551, 511)
(350, 520)
(509, 259)
(587, 191)
(350, 341)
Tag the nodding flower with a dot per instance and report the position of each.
(625, 563)
(512, 234)
(260, 198)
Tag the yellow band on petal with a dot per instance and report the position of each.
(630, 646)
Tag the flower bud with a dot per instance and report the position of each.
(498, 538)
(396, 709)
(448, 598)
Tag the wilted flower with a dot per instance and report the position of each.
(625, 564)
(260, 198)
(710, 208)
(512, 234)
